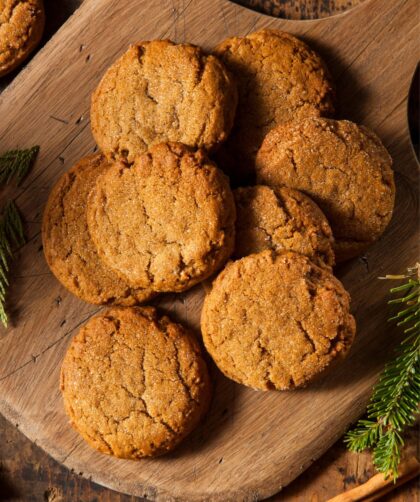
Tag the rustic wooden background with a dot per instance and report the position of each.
(28, 474)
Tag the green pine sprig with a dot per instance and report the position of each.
(11, 235)
(16, 164)
(395, 400)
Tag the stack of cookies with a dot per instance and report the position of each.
(206, 158)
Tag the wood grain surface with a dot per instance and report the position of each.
(27, 474)
(41, 363)
(298, 9)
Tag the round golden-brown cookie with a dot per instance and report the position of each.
(343, 167)
(159, 91)
(68, 248)
(134, 383)
(165, 223)
(275, 321)
(279, 79)
(281, 219)
(21, 27)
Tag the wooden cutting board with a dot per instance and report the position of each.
(251, 443)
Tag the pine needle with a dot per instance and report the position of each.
(11, 235)
(395, 399)
(16, 164)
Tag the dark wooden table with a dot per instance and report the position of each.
(29, 474)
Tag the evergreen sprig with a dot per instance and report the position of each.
(11, 235)
(395, 399)
(16, 164)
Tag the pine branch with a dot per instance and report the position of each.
(395, 399)
(387, 453)
(11, 235)
(16, 164)
(365, 435)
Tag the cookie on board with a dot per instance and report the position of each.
(276, 321)
(279, 79)
(165, 223)
(160, 91)
(343, 167)
(134, 383)
(21, 27)
(68, 248)
(281, 219)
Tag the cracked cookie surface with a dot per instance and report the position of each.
(21, 27)
(275, 321)
(159, 91)
(68, 248)
(165, 223)
(343, 167)
(134, 383)
(279, 79)
(281, 219)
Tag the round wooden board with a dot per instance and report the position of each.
(251, 443)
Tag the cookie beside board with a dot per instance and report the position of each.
(21, 27)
